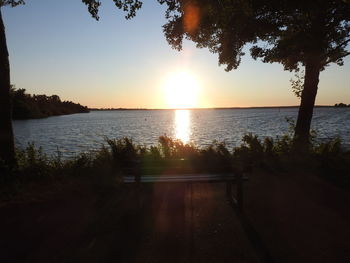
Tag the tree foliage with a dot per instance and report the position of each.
(287, 32)
(341, 105)
(12, 3)
(128, 6)
(27, 106)
(297, 83)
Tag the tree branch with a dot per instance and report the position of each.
(343, 43)
(334, 51)
(336, 58)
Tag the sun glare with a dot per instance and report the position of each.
(181, 91)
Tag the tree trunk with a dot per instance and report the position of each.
(302, 129)
(7, 149)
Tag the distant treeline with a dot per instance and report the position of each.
(341, 105)
(27, 106)
(113, 109)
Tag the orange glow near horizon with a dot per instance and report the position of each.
(181, 91)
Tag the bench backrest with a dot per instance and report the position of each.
(219, 177)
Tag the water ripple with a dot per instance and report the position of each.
(84, 132)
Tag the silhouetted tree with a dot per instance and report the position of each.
(26, 106)
(298, 33)
(341, 105)
(7, 149)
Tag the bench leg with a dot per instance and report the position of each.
(229, 191)
(138, 190)
(240, 193)
(235, 199)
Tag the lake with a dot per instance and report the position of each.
(76, 133)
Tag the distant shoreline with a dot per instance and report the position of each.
(216, 108)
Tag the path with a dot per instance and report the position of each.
(172, 225)
(194, 225)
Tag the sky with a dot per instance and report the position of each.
(56, 47)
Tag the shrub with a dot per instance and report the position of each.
(123, 156)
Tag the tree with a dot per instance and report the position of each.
(7, 149)
(299, 33)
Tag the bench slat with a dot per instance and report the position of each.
(184, 178)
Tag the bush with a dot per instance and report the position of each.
(123, 156)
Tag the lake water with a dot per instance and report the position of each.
(87, 131)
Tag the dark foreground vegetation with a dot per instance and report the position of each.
(122, 156)
(77, 210)
(27, 106)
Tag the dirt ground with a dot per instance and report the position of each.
(298, 218)
(165, 223)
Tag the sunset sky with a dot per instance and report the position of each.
(57, 48)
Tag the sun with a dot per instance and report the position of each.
(181, 90)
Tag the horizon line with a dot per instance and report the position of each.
(208, 108)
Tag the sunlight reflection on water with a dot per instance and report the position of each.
(182, 125)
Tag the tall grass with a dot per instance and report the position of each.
(123, 156)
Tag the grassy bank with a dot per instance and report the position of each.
(123, 156)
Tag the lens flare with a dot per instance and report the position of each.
(191, 18)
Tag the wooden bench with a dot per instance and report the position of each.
(231, 179)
